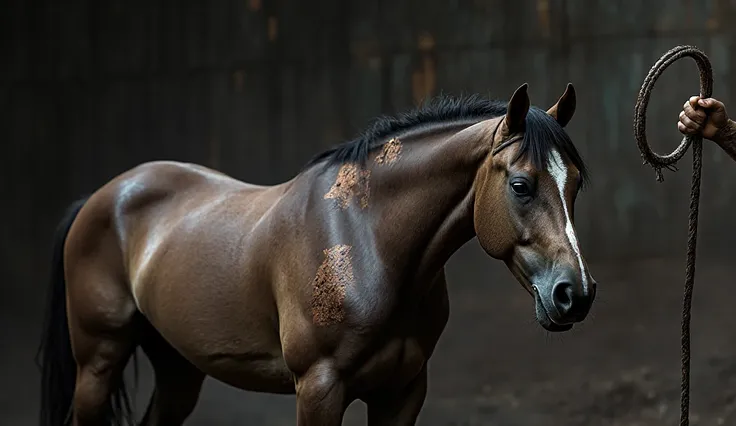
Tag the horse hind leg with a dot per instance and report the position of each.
(177, 383)
(87, 337)
(103, 343)
(99, 395)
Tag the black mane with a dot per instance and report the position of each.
(541, 135)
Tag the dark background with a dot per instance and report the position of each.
(254, 88)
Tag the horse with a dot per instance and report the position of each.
(330, 286)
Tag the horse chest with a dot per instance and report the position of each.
(394, 362)
(410, 339)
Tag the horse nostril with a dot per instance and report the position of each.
(562, 295)
(593, 288)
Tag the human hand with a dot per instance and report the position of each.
(707, 117)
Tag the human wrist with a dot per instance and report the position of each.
(726, 134)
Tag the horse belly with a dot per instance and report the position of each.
(251, 371)
(223, 324)
(242, 352)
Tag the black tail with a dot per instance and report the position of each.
(54, 356)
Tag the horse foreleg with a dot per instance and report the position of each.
(320, 397)
(399, 408)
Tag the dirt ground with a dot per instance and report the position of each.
(499, 367)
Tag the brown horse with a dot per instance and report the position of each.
(331, 285)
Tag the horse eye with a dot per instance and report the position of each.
(520, 188)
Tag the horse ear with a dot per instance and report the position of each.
(564, 109)
(517, 109)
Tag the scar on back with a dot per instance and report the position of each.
(328, 292)
(390, 153)
(351, 182)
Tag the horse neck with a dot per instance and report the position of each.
(423, 197)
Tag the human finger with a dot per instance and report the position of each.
(685, 130)
(690, 124)
(696, 115)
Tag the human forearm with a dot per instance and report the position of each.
(726, 138)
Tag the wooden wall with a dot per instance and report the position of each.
(255, 87)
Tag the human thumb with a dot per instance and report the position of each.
(707, 103)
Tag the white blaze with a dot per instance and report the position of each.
(558, 171)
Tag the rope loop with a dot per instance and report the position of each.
(658, 162)
(648, 156)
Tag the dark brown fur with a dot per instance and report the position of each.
(274, 289)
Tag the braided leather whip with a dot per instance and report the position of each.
(668, 161)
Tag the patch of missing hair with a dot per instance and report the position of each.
(351, 182)
(328, 292)
(390, 153)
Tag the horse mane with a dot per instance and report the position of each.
(541, 135)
